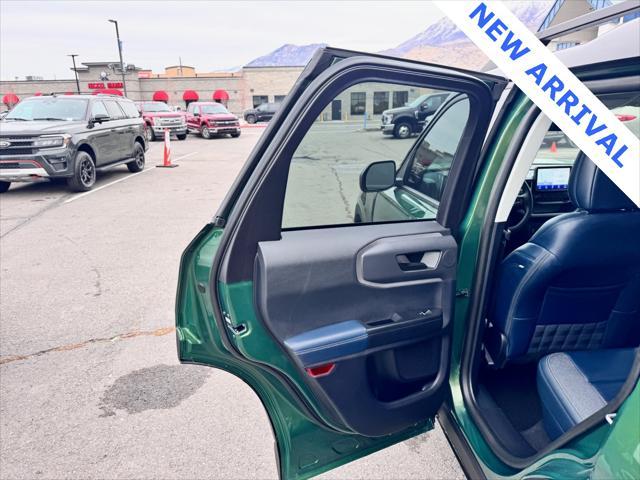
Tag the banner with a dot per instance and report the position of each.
(552, 87)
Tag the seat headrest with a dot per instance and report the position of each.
(592, 190)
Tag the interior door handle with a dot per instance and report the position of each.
(408, 264)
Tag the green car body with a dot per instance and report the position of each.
(218, 325)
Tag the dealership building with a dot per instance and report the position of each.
(177, 86)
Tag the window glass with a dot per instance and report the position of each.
(358, 103)
(432, 159)
(113, 109)
(380, 102)
(400, 98)
(98, 108)
(259, 100)
(130, 109)
(323, 185)
(278, 98)
(49, 108)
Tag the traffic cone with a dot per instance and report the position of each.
(554, 148)
(166, 163)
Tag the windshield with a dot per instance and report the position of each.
(50, 109)
(155, 107)
(211, 109)
(418, 101)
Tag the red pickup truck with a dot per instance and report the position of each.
(159, 117)
(212, 119)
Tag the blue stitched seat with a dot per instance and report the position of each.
(575, 385)
(575, 285)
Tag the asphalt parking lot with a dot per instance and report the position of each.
(89, 380)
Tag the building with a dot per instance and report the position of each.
(245, 88)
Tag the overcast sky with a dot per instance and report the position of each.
(35, 37)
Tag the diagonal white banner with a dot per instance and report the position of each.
(552, 87)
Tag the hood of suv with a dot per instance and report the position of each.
(219, 117)
(12, 127)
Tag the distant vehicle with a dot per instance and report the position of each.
(212, 119)
(402, 122)
(158, 117)
(262, 113)
(71, 137)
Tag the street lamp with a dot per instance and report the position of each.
(124, 84)
(73, 58)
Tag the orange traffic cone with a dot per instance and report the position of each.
(166, 163)
(554, 148)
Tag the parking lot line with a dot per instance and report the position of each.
(183, 156)
(107, 185)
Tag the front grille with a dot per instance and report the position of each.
(17, 146)
(226, 123)
(170, 121)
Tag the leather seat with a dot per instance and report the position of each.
(575, 285)
(575, 385)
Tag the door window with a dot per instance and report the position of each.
(323, 187)
(115, 113)
(98, 108)
(129, 109)
(431, 161)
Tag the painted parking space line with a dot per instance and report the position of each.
(107, 185)
(183, 156)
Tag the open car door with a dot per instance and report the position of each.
(340, 324)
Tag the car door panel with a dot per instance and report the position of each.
(352, 321)
(382, 320)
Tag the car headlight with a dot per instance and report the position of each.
(52, 141)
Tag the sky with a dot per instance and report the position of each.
(35, 37)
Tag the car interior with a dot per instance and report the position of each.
(562, 327)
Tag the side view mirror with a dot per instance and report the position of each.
(196, 114)
(378, 176)
(100, 117)
(428, 109)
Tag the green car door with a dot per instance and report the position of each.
(342, 329)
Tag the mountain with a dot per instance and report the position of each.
(442, 42)
(287, 56)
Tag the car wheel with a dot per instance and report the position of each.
(182, 137)
(251, 119)
(138, 164)
(151, 136)
(204, 131)
(4, 186)
(235, 135)
(84, 174)
(402, 130)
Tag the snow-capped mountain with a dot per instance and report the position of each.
(531, 13)
(287, 56)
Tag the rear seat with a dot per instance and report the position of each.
(574, 385)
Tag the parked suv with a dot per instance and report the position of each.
(158, 117)
(262, 113)
(71, 137)
(402, 122)
(212, 119)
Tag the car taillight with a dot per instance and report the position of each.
(625, 117)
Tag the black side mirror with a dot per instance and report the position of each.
(99, 118)
(378, 176)
(196, 114)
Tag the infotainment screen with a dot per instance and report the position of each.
(552, 178)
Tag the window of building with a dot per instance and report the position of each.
(564, 45)
(400, 98)
(380, 102)
(278, 98)
(259, 100)
(358, 103)
(323, 182)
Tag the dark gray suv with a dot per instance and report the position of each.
(71, 137)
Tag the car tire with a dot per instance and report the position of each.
(204, 131)
(235, 135)
(251, 119)
(138, 164)
(182, 137)
(4, 186)
(402, 130)
(151, 136)
(84, 173)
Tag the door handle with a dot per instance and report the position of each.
(408, 264)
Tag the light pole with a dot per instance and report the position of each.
(73, 58)
(124, 84)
